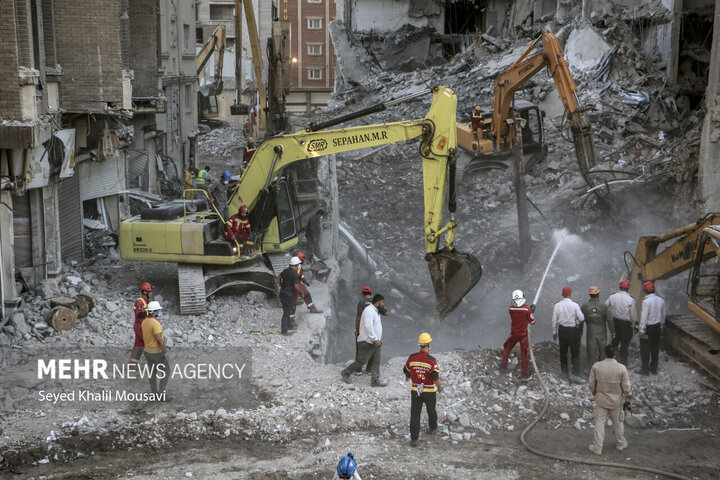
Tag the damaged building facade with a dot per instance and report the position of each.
(88, 118)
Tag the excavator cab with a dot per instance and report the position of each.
(453, 275)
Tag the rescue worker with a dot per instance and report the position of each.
(140, 308)
(305, 295)
(365, 296)
(478, 122)
(369, 343)
(422, 370)
(190, 174)
(347, 468)
(218, 193)
(237, 228)
(313, 232)
(248, 152)
(609, 382)
(156, 350)
(567, 326)
(598, 320)
(289, 282)
(521, 315)
(247, 129)
(622, 309)
(202, 179)
(652, 323)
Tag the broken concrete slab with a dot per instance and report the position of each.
(585, 48)
(353, 62)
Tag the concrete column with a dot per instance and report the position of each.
(51, 224)
(8, 295)
(709, 171)
(673, 41)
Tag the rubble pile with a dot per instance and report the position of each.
(221, 141)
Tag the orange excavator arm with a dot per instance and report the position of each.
(522, 70)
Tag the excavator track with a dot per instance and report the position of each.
(191, 286)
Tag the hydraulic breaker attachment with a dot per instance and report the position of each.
(453, 275)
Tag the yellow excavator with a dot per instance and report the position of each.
(695, 247)
(494, 137)
(207, 263)
(207, 95)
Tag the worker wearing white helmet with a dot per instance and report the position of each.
(521, 316)
(156, 350)
(289, 281)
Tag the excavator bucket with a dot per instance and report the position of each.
(453, 275)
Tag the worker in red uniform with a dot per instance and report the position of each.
(521, 316)
(238, 228)
(422, 370)
(248, 152)
(478, 122)
(141, 310)
(307, 298)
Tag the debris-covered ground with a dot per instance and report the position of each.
(301, 418)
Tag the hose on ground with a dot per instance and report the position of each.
(563, 458)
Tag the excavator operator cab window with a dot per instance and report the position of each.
(286, 212)
(705, 277)
(532, 133)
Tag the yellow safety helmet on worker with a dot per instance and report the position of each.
(424, 339)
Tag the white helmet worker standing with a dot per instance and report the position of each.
(295, 261)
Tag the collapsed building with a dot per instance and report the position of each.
(98, 102)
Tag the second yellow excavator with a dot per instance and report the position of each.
(207, 262)
(492, 133)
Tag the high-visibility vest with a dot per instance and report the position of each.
(201, 178)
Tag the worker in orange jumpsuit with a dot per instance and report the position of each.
(307, 298)
(238, 228)
(521, 316)
(140, 308)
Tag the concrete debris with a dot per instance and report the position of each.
(585, 49)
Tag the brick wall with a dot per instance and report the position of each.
(22, 33)
(49, 33)
(143, 47)
(89, 50)
(9, 88)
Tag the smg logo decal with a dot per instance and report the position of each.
(317, 145)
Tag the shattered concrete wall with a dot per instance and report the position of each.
(88, 45)
(378, 16)
(708, 171)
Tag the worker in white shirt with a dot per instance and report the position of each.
(652, 323)
(622, 309)
(369, 343)
(567, 325)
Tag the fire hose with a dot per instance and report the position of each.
(563, 458)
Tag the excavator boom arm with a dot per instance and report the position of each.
(213, 47)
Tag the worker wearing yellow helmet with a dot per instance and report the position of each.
(422, 370)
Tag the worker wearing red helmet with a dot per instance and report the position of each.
(567, 325)
(622, 309)
(237, 229)
(305, 293)
(141, 310)
(652, 323)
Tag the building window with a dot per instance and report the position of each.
(172, 33)
(222, 12)
(186, 36)
(314, 74)
(314, 1)
(199, 36)
(314, 23)
(314, 49)
(188, 94)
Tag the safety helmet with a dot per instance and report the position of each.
(594, 290)
(366, 289)
(649, 286)
(477, 107)
(226, 175)
(295, 261)
(251, 139)
(301, 256)
(566, 291)
(424, 339)
(145, 286)
(154, 306)
(243, 209)
(518, 298)
(625, 284)
(346, 466)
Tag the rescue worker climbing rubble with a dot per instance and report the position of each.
(305, 293)
(238, 229)
(248, 152)
(426, 388)
(218, 193)
(598, 320)
(521, 315)
(289, 282)
(141, 309)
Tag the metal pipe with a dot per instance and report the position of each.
(278, 151)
